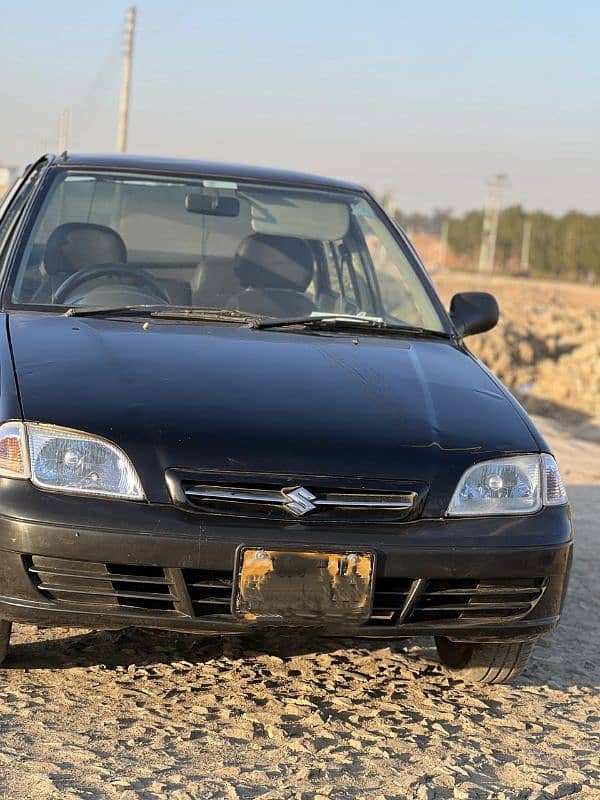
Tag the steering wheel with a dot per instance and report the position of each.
(138, 278)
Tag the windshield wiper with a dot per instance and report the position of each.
(162, 311)
(342, 322)
(216, 314)
(92, 311)
(323, 321)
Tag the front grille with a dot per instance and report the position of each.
(284, 499)
(397, 602)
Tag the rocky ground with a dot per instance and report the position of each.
(139, 715)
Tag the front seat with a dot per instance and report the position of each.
(74, 246)
(215, 282)
(275, 272)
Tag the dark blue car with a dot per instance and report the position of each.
(230, 398)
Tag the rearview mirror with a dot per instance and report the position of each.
(473, 312)
(213, 205)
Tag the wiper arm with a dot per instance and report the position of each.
(342, 322)
(92, 311)
(209, 314)
(317, 320)
(162, 311)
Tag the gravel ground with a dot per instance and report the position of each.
(140, 715)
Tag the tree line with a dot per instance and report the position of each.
(561, 247)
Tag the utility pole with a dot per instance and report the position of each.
(525, 246)
(443, 248)
(491, 215)
(63, 131)
(126, 80)
(389, 206)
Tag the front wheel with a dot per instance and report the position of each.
(484, 663)
(5, 628)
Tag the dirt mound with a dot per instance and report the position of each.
(546, 347)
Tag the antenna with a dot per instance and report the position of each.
(126, 80)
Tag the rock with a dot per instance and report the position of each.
(561, 789)
(460, 794)
(526, 352)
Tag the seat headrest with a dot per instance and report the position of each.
(274, 262)
(77, 245)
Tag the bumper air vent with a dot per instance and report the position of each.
(421, 603)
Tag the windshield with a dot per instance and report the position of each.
(104, 240)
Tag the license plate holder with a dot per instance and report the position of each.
(303, 586)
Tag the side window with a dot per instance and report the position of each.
(13, 209)
(348, 276)
(402, 293)
(332, 268)
(341, 288)
(16, 205)
(361, 278)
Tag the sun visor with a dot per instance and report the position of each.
(302, 215)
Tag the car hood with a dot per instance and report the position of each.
(225, 397)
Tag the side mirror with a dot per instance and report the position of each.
(474, 312)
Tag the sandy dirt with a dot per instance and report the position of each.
(140, 715)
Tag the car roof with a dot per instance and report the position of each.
(204, 168)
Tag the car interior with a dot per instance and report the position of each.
(269, 275)
(106, 241)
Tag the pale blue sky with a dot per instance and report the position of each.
(426, 99)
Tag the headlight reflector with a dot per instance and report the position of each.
(502, 486)
(71, 461)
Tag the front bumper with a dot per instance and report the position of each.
(110, 564)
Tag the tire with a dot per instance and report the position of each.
(484, 663)
(5, 629)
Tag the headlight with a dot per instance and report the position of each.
(516, 485)
(67, 461)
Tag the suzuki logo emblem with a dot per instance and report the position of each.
(298, 500)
